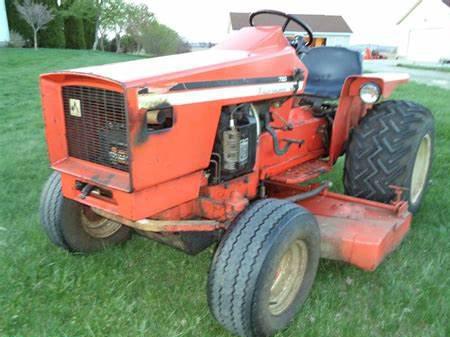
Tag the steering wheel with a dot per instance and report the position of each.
(288, 18)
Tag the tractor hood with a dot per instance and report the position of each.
(253, 52)
(97, 123)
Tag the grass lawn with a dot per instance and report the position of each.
(146, 289)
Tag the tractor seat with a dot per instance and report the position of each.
(328, 68)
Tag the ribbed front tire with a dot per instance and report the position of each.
(264, 268)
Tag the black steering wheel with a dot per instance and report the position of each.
(288, 18)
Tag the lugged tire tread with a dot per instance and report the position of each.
(379, 149)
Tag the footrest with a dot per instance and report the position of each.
(303, 172)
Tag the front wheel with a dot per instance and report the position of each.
(393, 145)
(73, 226)
(264, 268)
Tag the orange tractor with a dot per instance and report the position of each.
(225, 145)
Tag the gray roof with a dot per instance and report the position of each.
(318, 23)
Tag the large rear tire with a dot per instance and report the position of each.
(393, 145)
(75, 227)
(264, 268)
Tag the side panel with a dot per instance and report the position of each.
(167, 154)
(186, 147)
(305, 128)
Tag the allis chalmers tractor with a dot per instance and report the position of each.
(225, 145)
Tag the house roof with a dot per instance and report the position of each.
(408, 13)
(414, 7)
(318, 23)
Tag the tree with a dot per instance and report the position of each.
(99, 34)
(138, 16)
(36, 15)
(53, 35)
(74, 32)
(114, 18)
(158, 39)
(82, 13)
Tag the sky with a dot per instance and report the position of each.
(203, 21)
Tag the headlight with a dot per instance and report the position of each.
(370, 93)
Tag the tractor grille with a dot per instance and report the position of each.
(96, 126)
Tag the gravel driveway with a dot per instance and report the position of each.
(429, 77)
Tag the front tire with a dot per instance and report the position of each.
(264, 268)
(74, 227)
(393, 145)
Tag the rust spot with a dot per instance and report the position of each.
(103, 180)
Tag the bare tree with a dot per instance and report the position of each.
(37, 15)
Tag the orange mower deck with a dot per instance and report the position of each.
(353, 230)
(356, 231)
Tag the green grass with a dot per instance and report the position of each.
(146, 289)
(444, 69)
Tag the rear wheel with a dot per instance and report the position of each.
(393, 145)
(73, 226)
(264, 268)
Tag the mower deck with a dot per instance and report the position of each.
(358, 231)
(353, 230)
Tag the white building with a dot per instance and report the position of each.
(4, 31)
(424, 31)
(329, 30)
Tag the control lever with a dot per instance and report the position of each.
(86, 190)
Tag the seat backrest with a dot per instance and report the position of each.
(328, 68)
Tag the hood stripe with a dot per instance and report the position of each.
(150, 100)
(231, 83)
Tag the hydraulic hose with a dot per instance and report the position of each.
(309, 194)
(276, 144)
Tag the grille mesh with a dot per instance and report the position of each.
(96, 126)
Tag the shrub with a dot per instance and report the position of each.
(74, 33)
(53, 35)
(16, 40)
(89, 32)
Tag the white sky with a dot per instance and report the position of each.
(372, 21)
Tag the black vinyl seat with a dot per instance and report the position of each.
(328, 68)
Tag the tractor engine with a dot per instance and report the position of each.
(234, 151)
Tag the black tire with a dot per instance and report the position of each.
(245, 265)
(61, 221)
(383, 149)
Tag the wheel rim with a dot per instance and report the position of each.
(420, 170)
(288, 277)
(97, 226)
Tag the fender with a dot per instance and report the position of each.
(351, 109)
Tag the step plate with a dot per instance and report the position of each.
(358, 231)
(302, 173)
